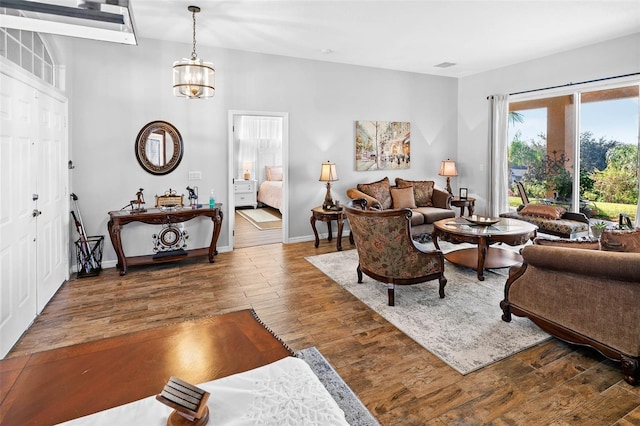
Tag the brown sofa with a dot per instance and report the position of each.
(584, 292)
(427, 203)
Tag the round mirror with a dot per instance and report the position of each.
(159, 147)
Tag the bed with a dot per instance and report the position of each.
(270, 190)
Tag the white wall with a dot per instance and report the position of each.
(114, 90)
(616, 57)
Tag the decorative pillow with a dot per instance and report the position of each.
(422, 190)
(403, 198)
(379, 190)
(543, 210)
(628, 241)
(274, 172)
(588, 244)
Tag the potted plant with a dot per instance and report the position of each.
(598, 227)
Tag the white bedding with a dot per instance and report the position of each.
(286, 392)
(270, 193)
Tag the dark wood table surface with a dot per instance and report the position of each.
(62, 384)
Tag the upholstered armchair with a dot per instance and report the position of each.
(386, 251)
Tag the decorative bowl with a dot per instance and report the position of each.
(486, 222)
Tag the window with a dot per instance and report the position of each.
(579, 150)
(28, 50)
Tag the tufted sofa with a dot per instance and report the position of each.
(583, 292)
(427, 203)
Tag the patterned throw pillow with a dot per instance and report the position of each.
(422, 190)
(543, 210)
(403, 198)
(379, 190)
(627, 241)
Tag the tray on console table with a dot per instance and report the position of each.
(119, 218)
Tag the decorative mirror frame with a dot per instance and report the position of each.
(141, 146)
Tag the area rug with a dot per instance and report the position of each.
(354, 410)
(464, 329)
(261, 218)
(423, 238)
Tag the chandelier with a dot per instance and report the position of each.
(193, 78)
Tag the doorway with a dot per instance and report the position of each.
(258, 171)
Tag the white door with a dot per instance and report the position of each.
(34, 205)
(18, 133)
(53, 200)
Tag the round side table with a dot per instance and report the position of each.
(469, 203)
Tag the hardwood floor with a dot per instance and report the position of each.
(399, 381)
(247, 235)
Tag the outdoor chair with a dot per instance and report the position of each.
(386, 251)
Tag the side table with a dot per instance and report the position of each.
(469, 203)
(318, 213)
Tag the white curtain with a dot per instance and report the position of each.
(260, 145)
(499, 173)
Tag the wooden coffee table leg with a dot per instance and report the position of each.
(482, 255)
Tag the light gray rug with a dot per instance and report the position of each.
(354, 410)
(464, 329)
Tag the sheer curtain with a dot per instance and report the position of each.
(499, 173)
(260, 145)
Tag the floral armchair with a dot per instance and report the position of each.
(386, 251)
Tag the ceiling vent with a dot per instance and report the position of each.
(445, 65)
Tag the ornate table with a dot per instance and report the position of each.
(468, 202)
(157, 216)
(509, 231)
(318, 213)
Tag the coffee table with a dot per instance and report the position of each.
(459, 230)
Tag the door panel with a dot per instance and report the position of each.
(17, 224)
(53, 202)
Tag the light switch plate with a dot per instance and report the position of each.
(195, 175)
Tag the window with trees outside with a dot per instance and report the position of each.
(578, 150)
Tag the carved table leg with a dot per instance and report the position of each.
(340, 226)
(116, 241)
(483, 247)
(217, 226)
(330, 237)
(315, 231)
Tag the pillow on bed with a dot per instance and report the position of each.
(274, 172)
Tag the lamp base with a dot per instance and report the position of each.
(329, 204)
(448, 187)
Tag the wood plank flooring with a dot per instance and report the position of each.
(247, 235)
(400, 382)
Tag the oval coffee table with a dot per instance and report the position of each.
(458, 230)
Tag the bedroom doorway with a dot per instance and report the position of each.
(258, 147)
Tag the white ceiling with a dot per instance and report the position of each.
(477, 35)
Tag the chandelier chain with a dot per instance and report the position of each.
(193, 54)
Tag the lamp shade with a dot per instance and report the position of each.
(328, 172)
(193, 78)
(448, 168)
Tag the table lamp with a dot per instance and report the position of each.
(328, 174)
(448, 169)
(246, 165)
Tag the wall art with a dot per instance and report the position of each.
(383, 145)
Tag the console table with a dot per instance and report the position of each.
(157, 216)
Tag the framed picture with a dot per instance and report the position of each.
(463, 193)
(383, 145)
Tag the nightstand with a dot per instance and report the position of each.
(245, 193)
